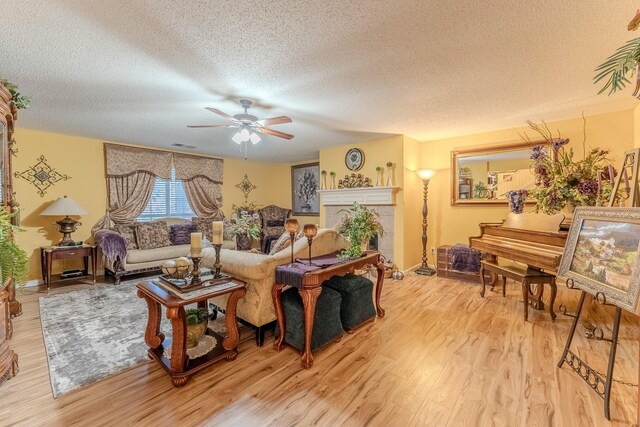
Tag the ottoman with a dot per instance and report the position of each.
(326, 323)
(357, 299)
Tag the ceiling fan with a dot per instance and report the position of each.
(248, 124)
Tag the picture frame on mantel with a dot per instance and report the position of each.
(601, 254)
(305, 183)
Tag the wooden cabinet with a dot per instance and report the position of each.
(8, 117)
(8, 359)
(464, 188)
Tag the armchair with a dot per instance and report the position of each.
(272, 220)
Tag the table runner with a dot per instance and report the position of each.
(293, 276)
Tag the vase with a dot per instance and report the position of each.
(333, 183)
(390, 176)
(243, 242)
(379, 179)
(323, 182)
(516, 202)
(195, 332)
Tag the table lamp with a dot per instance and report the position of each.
(310, 231)
(65, 206)
(292, 226)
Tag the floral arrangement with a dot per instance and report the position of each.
(196, 315)
(250, 207)
(516, 200)
(561, 180)
(245, 224)
(358, 225)
(21, 101)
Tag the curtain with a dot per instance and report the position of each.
(202, 181)
(128, 196)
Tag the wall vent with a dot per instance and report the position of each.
(177, 144)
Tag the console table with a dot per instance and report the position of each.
(180, 367)
(310, 289)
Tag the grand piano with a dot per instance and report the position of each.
(533, 239)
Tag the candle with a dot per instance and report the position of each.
(599, 182)
(196, 245)
(611, 174)
(216, 237)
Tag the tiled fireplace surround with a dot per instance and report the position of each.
(381, 199)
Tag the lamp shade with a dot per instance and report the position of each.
(64, 206)
(425, 174)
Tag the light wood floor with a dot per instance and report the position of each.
(442, 356)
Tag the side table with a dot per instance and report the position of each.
(180, 368)
(48, 254)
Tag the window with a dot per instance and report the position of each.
(167, 200)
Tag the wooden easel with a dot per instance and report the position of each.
(602, 386)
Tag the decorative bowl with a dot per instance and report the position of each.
(179, 268)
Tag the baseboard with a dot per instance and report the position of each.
(415, 267)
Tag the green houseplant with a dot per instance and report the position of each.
(358, 225)
(13, 260)
(197, 319)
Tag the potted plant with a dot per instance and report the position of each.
(245, 227)
(358, 225)
(197, 319)
(13, 260)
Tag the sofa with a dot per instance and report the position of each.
(141, 247)
(258, 270)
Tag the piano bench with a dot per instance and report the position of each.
(526, 276)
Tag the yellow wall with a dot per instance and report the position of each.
(83, 160)
(455, 224)
(412, 200)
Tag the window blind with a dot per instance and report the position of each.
(167, 200)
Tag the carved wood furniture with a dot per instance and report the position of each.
(8, 359)
(310, 290)
(527, 276)
(8, 117)
(179, 366)
(49, 254)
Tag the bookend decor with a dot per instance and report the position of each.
(589, 264)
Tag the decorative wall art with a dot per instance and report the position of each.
(601, 254)
(305, 184)
(246, 187)
(41, 175)
(354, 159)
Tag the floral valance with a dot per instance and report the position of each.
(123, 160)
(189, 167)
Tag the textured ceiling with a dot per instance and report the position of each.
(346, 71)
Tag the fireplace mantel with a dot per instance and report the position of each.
(378, 196)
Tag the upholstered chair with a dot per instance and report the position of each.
(272, 218)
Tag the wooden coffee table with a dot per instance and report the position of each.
(180, 367)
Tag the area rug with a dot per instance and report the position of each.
(92, 334)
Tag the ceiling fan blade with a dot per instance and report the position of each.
(274, 133)
(274, 121)
(221, 113)
(211, 126)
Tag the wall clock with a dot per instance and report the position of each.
(354, 159)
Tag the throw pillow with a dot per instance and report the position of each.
(204, 226)
(180, 234)
(275, 223)
(283, 242)
(151, 235)
(128, 231)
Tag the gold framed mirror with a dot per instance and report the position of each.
(483, 175)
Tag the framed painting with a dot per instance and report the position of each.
(305, 181)
(601, 254)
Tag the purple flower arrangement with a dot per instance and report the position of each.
(560, 180)
(516, 200)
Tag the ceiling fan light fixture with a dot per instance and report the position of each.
(254, 137)
(244, 133)
(237, 138)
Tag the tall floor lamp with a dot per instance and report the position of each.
(425, 175)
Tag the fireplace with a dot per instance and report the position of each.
(373, 242)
